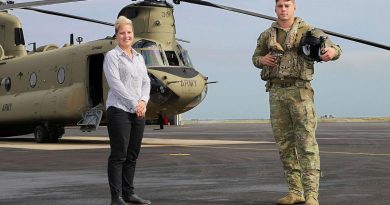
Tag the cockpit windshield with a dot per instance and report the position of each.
(184, 56)
(152, 57)
(150, 51)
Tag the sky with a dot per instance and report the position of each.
(222, 44)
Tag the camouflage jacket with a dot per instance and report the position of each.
(284, 45)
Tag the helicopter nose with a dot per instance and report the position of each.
(160, 94)
(182, 88)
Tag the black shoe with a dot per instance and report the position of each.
(134, 199)
(118, 201)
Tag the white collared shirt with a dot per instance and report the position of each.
(127, 79)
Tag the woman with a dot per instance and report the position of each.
(128, 96)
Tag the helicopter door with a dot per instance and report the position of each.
(95, 89)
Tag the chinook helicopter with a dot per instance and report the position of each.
(48, 88)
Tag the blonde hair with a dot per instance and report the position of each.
(121, 21)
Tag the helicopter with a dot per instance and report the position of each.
(48, 88)
(44, 90)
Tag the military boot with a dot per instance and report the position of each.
(311, 201)
(291, 198)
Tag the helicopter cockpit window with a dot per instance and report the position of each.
(61, 75)
(150, 51)
(33, 79)
(184, 56)
(152, 57)
(172, 58)
(6, 82)
(144, 44)
(19, 38)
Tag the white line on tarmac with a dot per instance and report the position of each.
(326, 152)
(91, 142)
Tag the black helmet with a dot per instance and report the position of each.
(310, 46)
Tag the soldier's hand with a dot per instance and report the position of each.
(268, 60)
(328, 53)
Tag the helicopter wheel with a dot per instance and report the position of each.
(55, 132)
(49, 134)
(60, 131)
(41, 134)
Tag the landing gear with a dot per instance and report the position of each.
(161, 121)
(41, 134)
(48, 133)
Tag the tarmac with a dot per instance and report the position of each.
(197, 164)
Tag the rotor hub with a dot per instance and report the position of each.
(159, 3)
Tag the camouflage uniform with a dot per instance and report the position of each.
(292, 111)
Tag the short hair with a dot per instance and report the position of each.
(121, 21)
(276, 1)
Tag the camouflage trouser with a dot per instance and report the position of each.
(294, 123)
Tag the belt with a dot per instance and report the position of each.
(282, 84)
(277, 83)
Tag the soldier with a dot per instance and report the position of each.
(285, 53)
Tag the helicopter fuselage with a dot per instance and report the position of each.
(49, 88)
(59, 85)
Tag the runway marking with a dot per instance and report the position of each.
(357, 153)
(51, 146)
(92, 142)
(179, 154)
(327, 152)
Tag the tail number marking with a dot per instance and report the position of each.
(7, 107)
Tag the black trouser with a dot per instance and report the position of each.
(125, 131)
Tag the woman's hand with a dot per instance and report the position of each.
(140, 110)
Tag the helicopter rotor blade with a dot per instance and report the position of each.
(205, 3)
(68, 16)
(34, 3)
(359, 40)
(182, 40)
(80, 18)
